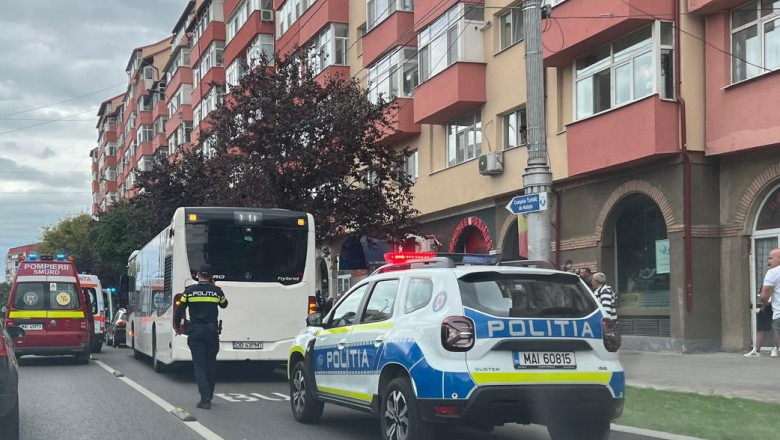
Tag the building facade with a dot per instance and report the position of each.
(661, 132)
(15, 256)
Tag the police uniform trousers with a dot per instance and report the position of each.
(203, 341)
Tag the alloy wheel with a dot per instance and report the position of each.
(299, 393)
(396, 416)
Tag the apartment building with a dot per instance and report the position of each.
(15, 256)
(661, 133)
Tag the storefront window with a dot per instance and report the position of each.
(642, 255)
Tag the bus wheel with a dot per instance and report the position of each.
(136, 353)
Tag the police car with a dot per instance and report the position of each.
(429, 340)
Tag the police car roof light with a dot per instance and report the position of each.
(435, 262)
(404, 257)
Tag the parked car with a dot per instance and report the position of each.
(116, 330)
(9, 383)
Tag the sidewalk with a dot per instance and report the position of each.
(723, 374)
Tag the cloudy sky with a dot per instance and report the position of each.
(61, 58)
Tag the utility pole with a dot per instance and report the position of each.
(537, 177)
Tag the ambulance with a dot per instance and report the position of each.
(102, 307)
(47, 302)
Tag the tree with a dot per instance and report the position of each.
(284, 139)
(70, 236)
(5, 290)
(113, 238)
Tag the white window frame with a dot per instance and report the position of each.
(262, 44)
(145, 133)
(448, 32)
(522, 137)
(386, 76)
(470, 151)
(655, 50)
(324, 48)
(757, 67)
(378, 11)
(289, 13)
(412, 165)
(515, 17)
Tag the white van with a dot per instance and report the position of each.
(102, 307)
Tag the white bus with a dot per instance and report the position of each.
(263, 259)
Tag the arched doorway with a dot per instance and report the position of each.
(765, 237)
(515, 244)
(641, 267)
(471, 236)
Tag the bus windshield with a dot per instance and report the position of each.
(249, 253)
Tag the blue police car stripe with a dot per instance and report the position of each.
(488, 326)
(618, 383)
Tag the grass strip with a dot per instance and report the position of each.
(696, 415)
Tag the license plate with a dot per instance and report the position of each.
(247, 345)
(544, 359)
(28, 327)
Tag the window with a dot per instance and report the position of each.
(440, 43)
(183, 96)
(511, 26)
(394, 75)
(145, 103)
(43, 296)
(234, 72)
(145, 134)
(196, 115)
(110, 149)
(291, 11)
(213, 98)
(181, 58)
(212, 13)
(464, 138)
(410, 166)
(626, 70)
(344, 314)
(262, 48)
(378, 10)
(213, 57)
(148, 72)
(515, 129)
(381, 302)
(755, 39)
(145, 164)
(159, 124)
(361, 31)
(329, 48)
(418, 294)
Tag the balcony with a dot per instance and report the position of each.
(394, 31)
(243, 38)
(402, 125)
(332, 72)
(451, 93)
(639, 130)
(311, 22)
(144, 149)
(183, 75)
(144, 118)
(566, 39)
(173, 123)
(215, 31)
(710, 6)
(159, 109)
(426, 11)
(108, 136)
(214, 75)
(159, 140)
(111, 161)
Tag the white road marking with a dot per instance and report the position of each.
(195, 426)
(283, 396)
(651, 433)
(242, 398)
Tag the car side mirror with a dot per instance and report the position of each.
(4, 310)
(15, 332)
(314, 320)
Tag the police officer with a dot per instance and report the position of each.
(203, 338)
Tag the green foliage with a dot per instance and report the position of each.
(5, 289)
(70, 236)
(113, 238)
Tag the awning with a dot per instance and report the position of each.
(356, 253)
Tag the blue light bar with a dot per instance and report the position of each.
(32, 256)
(60, 256)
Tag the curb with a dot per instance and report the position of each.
(651, 433)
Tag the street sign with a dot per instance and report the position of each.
(528, 203)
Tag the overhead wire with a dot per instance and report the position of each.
(61, 102)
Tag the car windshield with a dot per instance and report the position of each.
(46, 296)
(526, 296)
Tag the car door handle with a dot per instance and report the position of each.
(379, 341)
(342, 343)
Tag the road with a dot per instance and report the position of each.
(63, 400)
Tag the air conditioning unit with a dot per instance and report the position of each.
(266, 15)
(491, 163)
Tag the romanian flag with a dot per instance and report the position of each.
(522, 236)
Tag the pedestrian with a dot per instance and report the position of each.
(586, 275)
(770, 292)
(604, 293)
(202, 330)
(763, 329)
